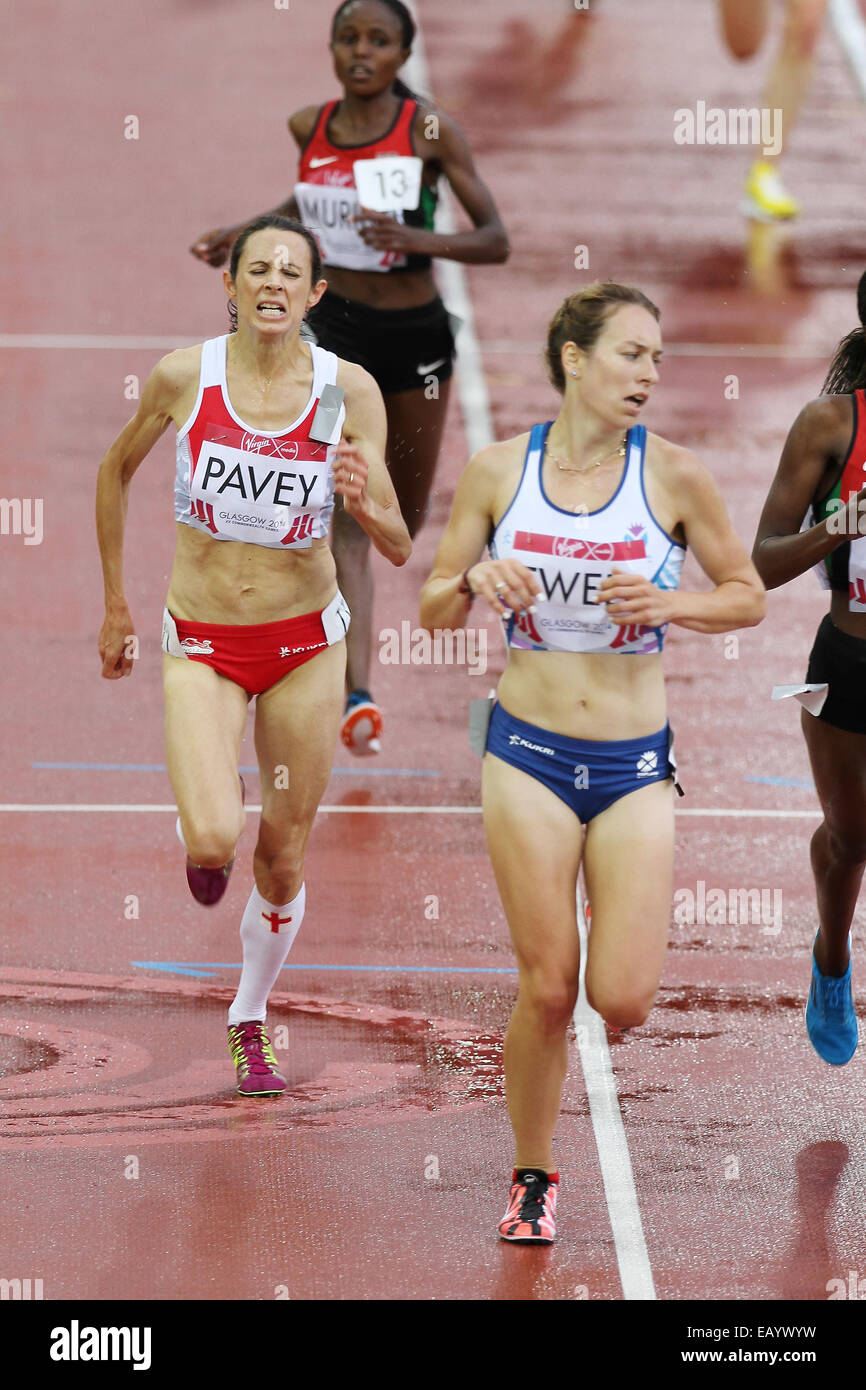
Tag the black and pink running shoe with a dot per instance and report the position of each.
(531, 1215)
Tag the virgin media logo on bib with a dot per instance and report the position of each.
(274, 448)
(247, 441)
(576, 549)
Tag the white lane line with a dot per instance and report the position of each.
(62, 807)
(476, 402)
(507, 346)
(471, 386)
(847, 20)
(88, 341)
(632, 1257)
(751, 812)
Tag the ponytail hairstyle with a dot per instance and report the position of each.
(847, 371)
(581, 318)
(407, 26)
(283, 224)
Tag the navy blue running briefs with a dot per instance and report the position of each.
(588, 775)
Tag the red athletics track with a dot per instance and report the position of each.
(747, 1151)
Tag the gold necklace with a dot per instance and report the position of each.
(620, 452)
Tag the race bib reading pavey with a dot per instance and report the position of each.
(252, 488)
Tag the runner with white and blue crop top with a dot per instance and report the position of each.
(587, 519)
(271, 431)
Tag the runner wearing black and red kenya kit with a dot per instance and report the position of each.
(815, 517)
(270, 429)
(586, 519)
(381, 307)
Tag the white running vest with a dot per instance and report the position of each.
(572, 553)
(238, 483)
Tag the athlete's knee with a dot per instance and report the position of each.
(282, 867)
(844, 843)
(744, 33)
(621, 1008)
(210, 842)
(281, 887)
(551, 998)
(628, 1013)
(743, 45)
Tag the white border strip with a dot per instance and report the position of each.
(847, 20)
(632, 1257)
(471, 386)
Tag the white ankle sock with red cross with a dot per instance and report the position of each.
(267, 933)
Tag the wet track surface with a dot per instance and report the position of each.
(747, 1150)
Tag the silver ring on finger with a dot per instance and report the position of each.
(351, 477)
(501, 585)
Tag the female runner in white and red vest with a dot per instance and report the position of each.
(381, 308)
(269, 429)
(815, 517)
(586, 519)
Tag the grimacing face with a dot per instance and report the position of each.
(272, 288)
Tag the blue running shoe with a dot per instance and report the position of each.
(830, 1018)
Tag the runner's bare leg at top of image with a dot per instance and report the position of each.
(381, 308)
(253, 608)
(744, 25)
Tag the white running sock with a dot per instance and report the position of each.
(267, 933)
